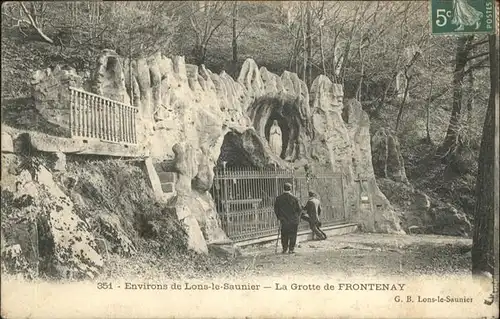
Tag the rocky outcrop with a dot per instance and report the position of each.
(51, 96)
(377, 214)
(424, 214)
(387, 159)
(189, 115)
(42, 232)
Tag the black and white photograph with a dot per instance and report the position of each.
(249, 159)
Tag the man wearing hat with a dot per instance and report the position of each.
(287, 209)
(313, 209)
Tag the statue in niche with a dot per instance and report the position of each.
(275, 140)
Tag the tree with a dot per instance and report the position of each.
(308, 45)
(206, 17)
(32, 15)
(321, 25)
(234, 42)
(310, 28)
(249, 17)
(140, 29)
(408, 77)
(455, 132)
(485, 237)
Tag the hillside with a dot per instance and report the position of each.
(115, 204)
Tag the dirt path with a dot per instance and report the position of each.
(357, 254)
(363, 254)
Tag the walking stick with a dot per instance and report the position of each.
(277, 239)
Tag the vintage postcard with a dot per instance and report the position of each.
(250, 159)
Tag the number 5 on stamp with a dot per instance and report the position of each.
(462, 16)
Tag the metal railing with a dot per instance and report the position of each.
(245, 199)
(94, 116)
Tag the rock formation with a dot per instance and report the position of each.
(188, 114)
(420, 212)
(387, 159)
(49, 237)
(51, 95)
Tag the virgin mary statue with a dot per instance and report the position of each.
(465, 15)
(275, 140)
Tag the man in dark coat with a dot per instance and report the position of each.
(313, 209)
(287, 209)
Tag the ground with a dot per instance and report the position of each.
(366, 254)
(353, 257)
(356, 254)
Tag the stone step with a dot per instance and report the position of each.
(166, 177)
(164, 166)
(167, 187)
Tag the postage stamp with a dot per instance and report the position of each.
(462, 17)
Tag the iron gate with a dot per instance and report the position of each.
(245, 199)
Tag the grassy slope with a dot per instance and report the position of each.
(118, 191)
(120, 188)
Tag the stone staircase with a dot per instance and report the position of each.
(167, 180)
(163, 182)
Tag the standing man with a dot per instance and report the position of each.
(288, 210)
(313, 209)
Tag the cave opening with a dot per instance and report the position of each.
(233, 153)
(111, 81)
(243, 152)
(111, 65)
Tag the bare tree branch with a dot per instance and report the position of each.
(477, 65)
(213, 30)
(34, 24)
(477, 56)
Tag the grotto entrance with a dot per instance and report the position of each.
(245, 185)
(244, 198)
(247, 155)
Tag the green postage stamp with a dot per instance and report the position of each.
(462, 16)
